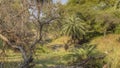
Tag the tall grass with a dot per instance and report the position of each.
(111, 46)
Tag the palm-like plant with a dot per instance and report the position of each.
(74, 27)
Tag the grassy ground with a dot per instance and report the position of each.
(44, 56)
(109, 44)
(42, 60)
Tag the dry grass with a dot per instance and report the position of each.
(61, 40)
(107, 43)
(111, 46)
(10, 56)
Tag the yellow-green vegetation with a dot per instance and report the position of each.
(107, 43)
(45, 57)
(110, 45)
(62, 40)
(42, 59)
(45, 33)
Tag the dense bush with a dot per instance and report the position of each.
(87, 56)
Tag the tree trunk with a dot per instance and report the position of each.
(27, 58)
(28, 63)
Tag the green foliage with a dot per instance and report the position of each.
(101, 16)
(42, 49)
(74, 27)
(87, 54)
(117, 29)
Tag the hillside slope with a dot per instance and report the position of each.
(111, 46)
(107, 43)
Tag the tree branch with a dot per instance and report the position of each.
(14, 46)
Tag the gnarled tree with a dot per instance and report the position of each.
(22, 23)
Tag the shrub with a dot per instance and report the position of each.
(86, 56)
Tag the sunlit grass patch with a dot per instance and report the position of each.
(111, 46)
(61, 40)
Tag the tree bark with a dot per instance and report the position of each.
(27, 60)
